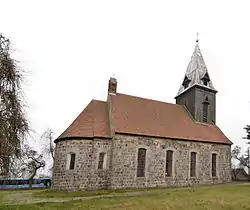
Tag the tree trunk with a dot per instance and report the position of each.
(31, 179)
(30, 183)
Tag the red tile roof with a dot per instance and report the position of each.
(140, 116)
(92, 122)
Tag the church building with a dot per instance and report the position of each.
(133, 142)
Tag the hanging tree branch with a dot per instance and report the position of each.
(13, 122)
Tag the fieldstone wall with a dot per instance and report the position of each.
(85, 175)
(121, 163)
(124, 162)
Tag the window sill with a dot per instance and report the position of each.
(140, 178)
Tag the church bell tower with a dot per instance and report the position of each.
(197, 92)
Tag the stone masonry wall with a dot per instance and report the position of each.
(85, 175)
(121, 164)
(124, 162)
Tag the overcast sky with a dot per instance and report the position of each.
(71, 48)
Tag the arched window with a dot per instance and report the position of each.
(169, 163)
(205, 109)
(193, 164)
(141, 162)
(102, 160)
(71, 161)
(214, 169)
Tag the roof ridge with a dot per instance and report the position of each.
(149, 99)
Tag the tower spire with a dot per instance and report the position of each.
(197, 92)
(196, 72)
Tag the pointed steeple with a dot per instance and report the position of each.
(196, 73)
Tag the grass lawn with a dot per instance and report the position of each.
(214, 197)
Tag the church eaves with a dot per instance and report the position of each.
(196, 73)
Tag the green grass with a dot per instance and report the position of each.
(214, 198)
(1, 196)
(61, 194)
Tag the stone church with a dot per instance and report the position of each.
(133, 142)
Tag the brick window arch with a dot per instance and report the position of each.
(141, 162)
(169, 163)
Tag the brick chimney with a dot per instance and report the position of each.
(112, 85)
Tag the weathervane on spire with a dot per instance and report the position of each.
(197, 37)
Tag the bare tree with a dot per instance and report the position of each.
(236, 168)
(242, 158)
(13, 122)
(17, 168)
(32, 163)
(49, 147)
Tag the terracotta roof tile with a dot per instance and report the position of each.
(140, 116)
(134, 115)
(101, 119)
(92, 122)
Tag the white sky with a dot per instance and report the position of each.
(71, 48)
